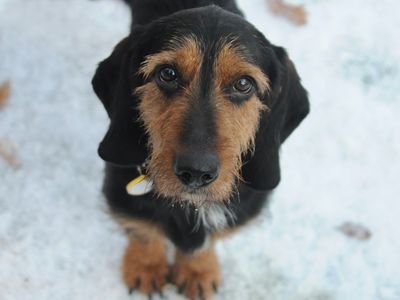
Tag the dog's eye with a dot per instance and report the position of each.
(243, 85)
(168, 74)
(167, 78)
(241, 90)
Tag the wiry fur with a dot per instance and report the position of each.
(236, 125)
(214, 217)
(211, 46)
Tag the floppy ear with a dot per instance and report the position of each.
(114, 82)
(289, 106)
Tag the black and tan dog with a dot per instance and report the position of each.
(203, 101)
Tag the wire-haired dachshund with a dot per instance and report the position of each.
(199, 103)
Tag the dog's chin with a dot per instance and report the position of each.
(196, 197)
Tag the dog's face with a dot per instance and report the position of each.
(200, 85)
(200, 104)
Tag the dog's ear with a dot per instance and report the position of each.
(114, 82)
(291, 95)
(289, 105)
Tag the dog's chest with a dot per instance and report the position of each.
(215, 217)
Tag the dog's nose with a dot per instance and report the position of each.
(196, 170)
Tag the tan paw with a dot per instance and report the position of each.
(197, 276)
(145, 267)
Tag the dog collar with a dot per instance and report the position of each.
(141, 185)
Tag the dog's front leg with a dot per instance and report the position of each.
(198, 274)
(145, 265)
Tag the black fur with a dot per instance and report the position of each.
(172, 217)
(124, 146)
(143, 12)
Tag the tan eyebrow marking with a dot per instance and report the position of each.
(185, 54)
(230, 65)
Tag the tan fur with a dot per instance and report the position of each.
(198, 274)
(163, 118)
(236, 124)
(140, 229)
(184, 53)
(230, 66)
(145, 265)
(236, 128)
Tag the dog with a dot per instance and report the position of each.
(199, 103)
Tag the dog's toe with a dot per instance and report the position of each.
(148, 279)
(198, 288)
(145, 274)
(194, 284)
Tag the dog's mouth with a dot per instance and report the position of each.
(194, 196)
(172, 188)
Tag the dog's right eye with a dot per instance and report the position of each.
(168, 74)
(167, 79)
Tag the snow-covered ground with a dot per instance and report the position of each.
(342, 164)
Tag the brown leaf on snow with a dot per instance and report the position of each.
(295, 13)
(356, 231)
(4, 93)
(8, 153)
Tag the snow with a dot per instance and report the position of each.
(341, 165)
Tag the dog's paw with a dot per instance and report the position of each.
(145, 272)
(146, 279)
(197, 277)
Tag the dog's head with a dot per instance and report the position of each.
(205, 99)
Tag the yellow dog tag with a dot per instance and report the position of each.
(139, 186)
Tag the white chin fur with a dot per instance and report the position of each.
(214, 216)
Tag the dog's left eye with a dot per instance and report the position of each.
(241, 89)
(243, 85)
(168, 74)
(167, 79)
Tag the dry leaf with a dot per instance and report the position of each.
(355, 231)
(295, 13)
(8, 153)
(4, 93)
